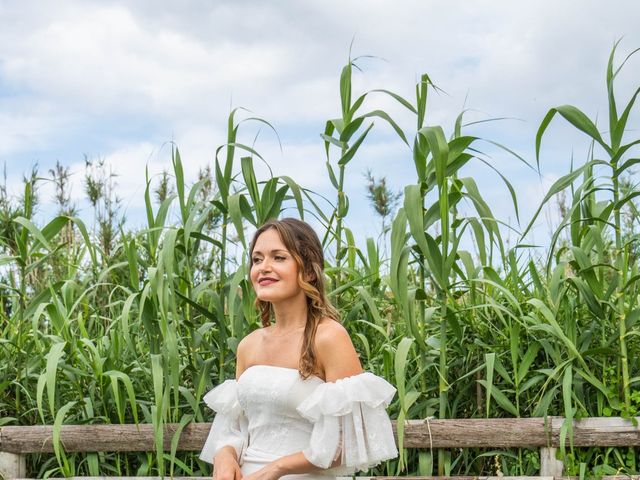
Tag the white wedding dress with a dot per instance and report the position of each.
(271, 411)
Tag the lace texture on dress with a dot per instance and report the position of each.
(229, 426)
(350, 422)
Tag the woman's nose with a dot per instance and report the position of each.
(265, 265)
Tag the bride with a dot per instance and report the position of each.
(301, 404)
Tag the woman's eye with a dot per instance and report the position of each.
(255, 260)
(279, 258)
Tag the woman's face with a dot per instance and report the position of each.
(274, 272)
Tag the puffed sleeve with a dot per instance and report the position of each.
(350, 422)
(229, 426)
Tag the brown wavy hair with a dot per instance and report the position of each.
(303, 244)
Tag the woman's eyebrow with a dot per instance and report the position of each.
(272, 251)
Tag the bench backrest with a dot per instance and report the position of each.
(543, 433)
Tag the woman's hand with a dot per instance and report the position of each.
(270, 471)
(225, 466)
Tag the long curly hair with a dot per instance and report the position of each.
(305, 247)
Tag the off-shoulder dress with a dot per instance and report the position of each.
(271, 411)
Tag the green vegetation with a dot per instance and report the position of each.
(106, 325)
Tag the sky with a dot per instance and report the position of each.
(122, 80)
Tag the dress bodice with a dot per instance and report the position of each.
(271, 411)
(269, 396)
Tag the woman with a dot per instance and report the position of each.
(301, 403)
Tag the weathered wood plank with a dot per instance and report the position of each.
(601, 432)
(519, 432)
(564, 477)
(337, 478)
(617, 477)
(125, 478)
(12, 465)
(453, 433)
(132, 438)
(452, 478)
(100, 438)
(477, 432)
(549, 464)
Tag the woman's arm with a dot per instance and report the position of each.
(225, 465)
(297, 463)
(287, 465)
(226, 462)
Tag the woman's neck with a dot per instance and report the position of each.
(290, 315)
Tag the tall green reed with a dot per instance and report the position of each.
(139, 331)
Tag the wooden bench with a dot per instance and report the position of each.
(17, 442)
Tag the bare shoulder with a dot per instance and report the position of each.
(336, 353)
(331, 332)
(245, 347)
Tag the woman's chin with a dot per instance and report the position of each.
(267, 297)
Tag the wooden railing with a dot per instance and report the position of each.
(542, 433)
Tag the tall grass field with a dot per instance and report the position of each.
(101, 323)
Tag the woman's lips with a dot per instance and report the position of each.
(267, 281)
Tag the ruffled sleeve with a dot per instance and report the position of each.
(229, 426)
(350, 422)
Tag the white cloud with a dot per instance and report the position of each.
(99, 58)
(134, 75)
(32, 128)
